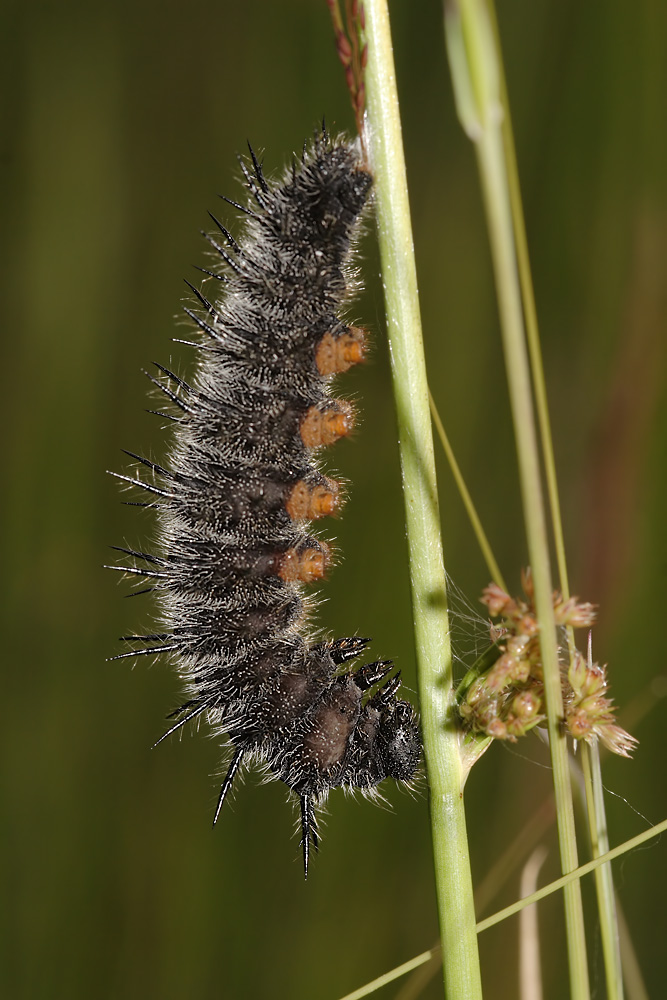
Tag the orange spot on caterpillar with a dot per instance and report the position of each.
(304, 565)
(324, 426)
(307, 502)
(337, 354)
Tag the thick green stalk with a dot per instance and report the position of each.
(429, 596)
(474, 64)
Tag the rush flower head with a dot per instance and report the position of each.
(504, 698)
(588, 711)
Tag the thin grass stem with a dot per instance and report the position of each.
(429, 595)
(510, 911)
(594, 792)
(471, 510)
(632, 973)
(574, 876)
(604, 882)
(389, 977)
(530, 965)
(530, 316)
(474, 61)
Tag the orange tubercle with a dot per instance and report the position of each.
(307, 502)
(305, 565)
(336, 354)
(324, 426)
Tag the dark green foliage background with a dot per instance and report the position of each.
(120, 125)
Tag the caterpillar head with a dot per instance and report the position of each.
(385, 742)
(398, 741)
(372, 741)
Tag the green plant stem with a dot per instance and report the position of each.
(389, 977)
(530, 314)
(501, 871)
(604, 882)
(464, 493)
(510, 911)
(632, 973)
(565, 880)
(474, 64)
(441, 742)
(594, 792)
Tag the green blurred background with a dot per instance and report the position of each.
(120, 126)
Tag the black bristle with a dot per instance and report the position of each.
(225, 232)
(258, 170)
(168, 392)
(202, 324)
(223, 253)
(211, 274)
(239, 208)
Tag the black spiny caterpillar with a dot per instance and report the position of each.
(241, 484)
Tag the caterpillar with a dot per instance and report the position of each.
(243, 482)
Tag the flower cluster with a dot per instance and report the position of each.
(506, 699)
(588, 712)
